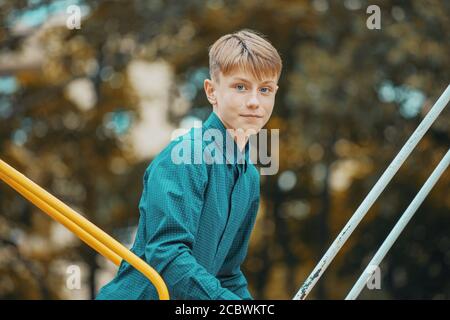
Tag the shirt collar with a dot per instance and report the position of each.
(214, 121)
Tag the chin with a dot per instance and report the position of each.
(254, 128)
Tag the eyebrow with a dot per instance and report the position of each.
(245, 80)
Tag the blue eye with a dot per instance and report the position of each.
(267, 90)
(240, 87)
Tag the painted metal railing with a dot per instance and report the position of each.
(399, 226)
(373, 196)
(80, 226)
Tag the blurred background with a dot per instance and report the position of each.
(84, 111)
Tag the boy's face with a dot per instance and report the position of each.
(241, 101)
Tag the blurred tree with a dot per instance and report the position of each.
(349, 98)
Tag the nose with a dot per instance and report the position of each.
(253, 101)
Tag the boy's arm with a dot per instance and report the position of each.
(230, 275)
(173, 202)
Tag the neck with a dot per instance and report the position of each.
(241, 141)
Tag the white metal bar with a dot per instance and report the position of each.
(373, 194)
(398, 228)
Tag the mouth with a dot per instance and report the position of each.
(251, 116)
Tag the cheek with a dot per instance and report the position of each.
(233, 100)
(268, 106)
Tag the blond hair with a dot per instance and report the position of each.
(244, 50)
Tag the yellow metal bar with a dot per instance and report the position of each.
(52, 212)
(101, 237)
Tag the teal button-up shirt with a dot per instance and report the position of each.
(195, 223)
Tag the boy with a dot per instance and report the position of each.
(196, 218)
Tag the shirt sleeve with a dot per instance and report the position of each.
(174, 200)
(230, 275)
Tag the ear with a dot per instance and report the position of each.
(210, 91)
